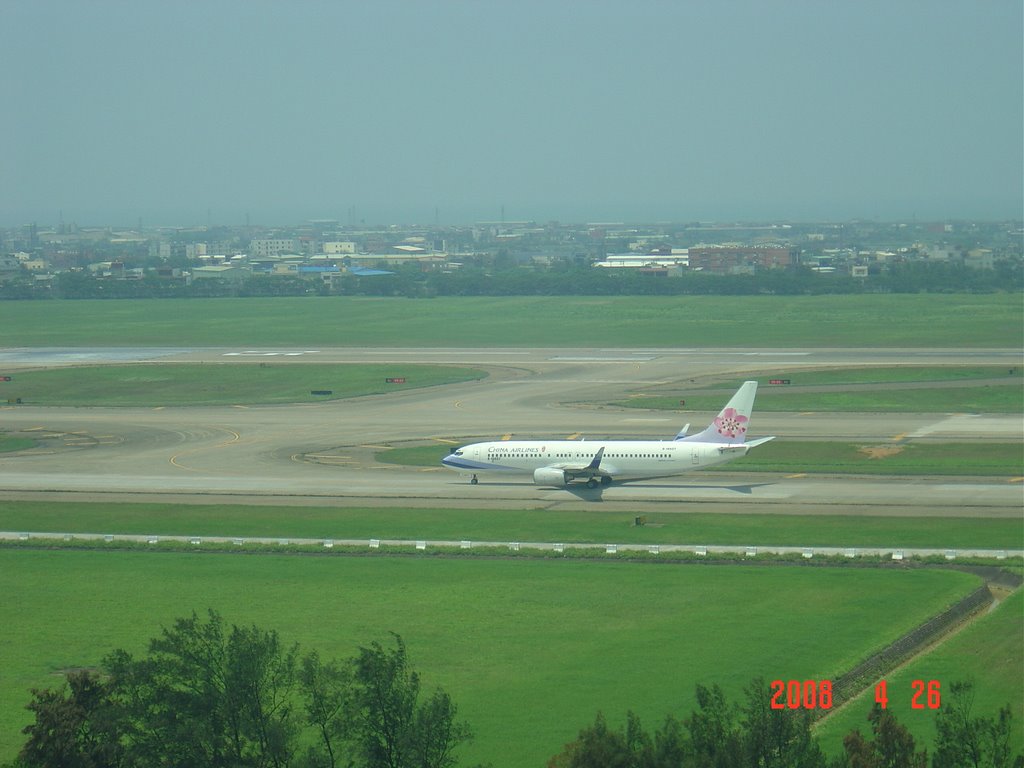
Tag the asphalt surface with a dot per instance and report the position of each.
(324, 453)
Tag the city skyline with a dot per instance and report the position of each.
(455, 112)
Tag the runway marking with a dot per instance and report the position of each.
(235, 437)
(507, 436)
(341, 461)
(444, 440)
(900, 437)
(797, 476)
(390, 352)
(378, 447)
(602, 359)
(1016, 480)
(574, 436)
(258, 353)
(458, 403)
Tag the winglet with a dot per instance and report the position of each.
(596, 462)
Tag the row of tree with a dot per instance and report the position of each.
(563, 280)
(753, 735)
(210, 696)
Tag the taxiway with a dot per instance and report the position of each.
(324, 452)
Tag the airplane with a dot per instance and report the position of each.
(557, 463)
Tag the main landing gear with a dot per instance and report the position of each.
(474, 481)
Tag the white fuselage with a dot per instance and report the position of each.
(622, 459)
(558, 463)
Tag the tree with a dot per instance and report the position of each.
(892, 746)
(210, 697)
(631, 747)
(260, 679)
(75, 726)
(327, 695)
(206, 697)
(716, 735)
(393, 729)
(713, 730)
(596, 747)
(777, 738)
(972, 742)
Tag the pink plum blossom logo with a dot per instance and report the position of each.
(731, 423)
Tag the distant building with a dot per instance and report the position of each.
(675, 258)
(276, 247)
(943, 253)
(980, 258)
(224, 272)
(335, 247)
(9, 265)
(736, 259)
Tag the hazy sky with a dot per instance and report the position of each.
(184, 112)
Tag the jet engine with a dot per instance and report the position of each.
(551, 476)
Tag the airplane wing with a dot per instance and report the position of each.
(593, 469)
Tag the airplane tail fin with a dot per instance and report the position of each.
(732, 422)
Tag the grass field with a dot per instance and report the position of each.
(530, 650)
(9, 444)
(224, 384)
(510, 525)
(263, 383)
(865, 390)
(1008, 398)
(820, 456)
(989, 653)
(816, 377)
(995, 320)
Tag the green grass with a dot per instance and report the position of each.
(530, 650)
(222, 384)
(813, 377)
(1008, 398)
(819, 456)
(511, 525)
(989, 653)
(9, 444)
(987, 459)
(995, 320)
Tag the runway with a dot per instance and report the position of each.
(324, 453)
